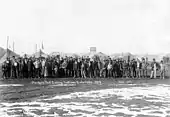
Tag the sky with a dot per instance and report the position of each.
(112, 26)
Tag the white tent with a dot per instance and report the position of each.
(2, 52)
(40, 54)
(54, 54)
(8, 53)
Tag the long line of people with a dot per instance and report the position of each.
(55, 67)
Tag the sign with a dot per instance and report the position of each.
(92, 49)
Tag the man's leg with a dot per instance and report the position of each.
(146, 73)
(151, 74)
(163, 74)
(154, 73)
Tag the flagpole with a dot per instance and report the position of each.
(40, 50)
(7, 45)
(36, 48)
(7, 42)
(13, 46)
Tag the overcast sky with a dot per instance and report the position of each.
(137, 26)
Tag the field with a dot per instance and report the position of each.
(85, 98)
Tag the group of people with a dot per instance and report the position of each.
(56, 67)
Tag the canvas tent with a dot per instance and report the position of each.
(74, 55)
(40, 54)
(54, 54)
(124, 56)
(8, 53)
(98, 55)
(2, 52)
(151, 57)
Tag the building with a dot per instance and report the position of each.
(93, 50)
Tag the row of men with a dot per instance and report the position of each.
(71, 67)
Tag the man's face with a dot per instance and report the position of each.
(146, 59)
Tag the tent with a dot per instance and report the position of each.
(40, 54)
(54, 54)
(8, 53)
(98, 55)
(151, 57)
(74, 55)
(124, 56)
(2, 52)
(128, 56)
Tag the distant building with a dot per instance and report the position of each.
(92, 49)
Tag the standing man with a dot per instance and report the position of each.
(138, 68)
(4, 70)
(83, 71)
(79, 67)
(25, 67)
(153, 69)
(8, 65)
(30, 68)
(110, 69)
(146, 68)
(96, 69)
(14, 68)
(143, 68)
(43, 67)
(75, 68)
(162, 70)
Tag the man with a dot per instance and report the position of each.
(8, 65)
(143, 68)
(56, 69)
(114, 67)
(75, 68)
(25, 67)
(104, 69)
(90, 68)
(110, 68)
(100, 66)
(153, 69)
(20, 67)
(53, 66)
(4, 70)
(14, 70)
(37, 71)
(131, 68)
(64, 68)
(30, 68)
(124, 69)
(146, 68)
(162, 70)
(134, 68)
(70, 67)
(83, 71)
(43, 67)
(79, 67)
(120, 69)
(96, 69)
(138, 70)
